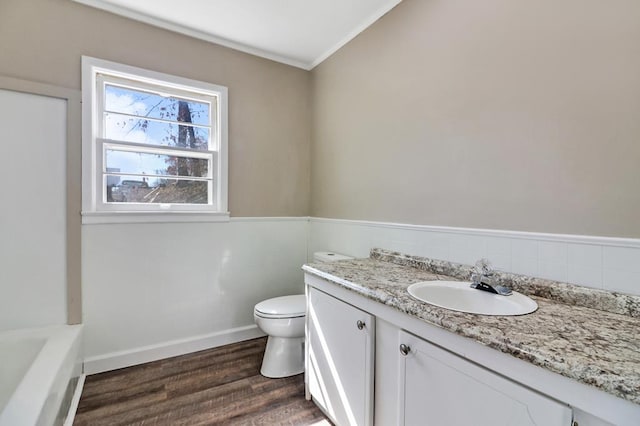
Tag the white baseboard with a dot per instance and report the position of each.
(121, 359)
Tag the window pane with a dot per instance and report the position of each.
(142, 163)
(123, 128)
(151, 105)
(132, 189)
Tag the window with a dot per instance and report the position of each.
(152, 143)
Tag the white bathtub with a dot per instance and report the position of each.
(38, 372)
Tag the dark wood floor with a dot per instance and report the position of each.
(216, 386)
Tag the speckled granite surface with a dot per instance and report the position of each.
(617, 303)
(592, 346)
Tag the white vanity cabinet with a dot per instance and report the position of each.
(339, 359)
(440, 388)
(438, 378)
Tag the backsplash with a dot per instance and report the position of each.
(611, 264)
(570, 294)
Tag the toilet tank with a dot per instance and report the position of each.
(329, 256)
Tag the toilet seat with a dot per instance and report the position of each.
(283, 319)
(282, 307)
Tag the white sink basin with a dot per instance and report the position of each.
(459, 296)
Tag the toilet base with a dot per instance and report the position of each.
(283, 357)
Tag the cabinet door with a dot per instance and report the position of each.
(339, 371)
(438, 388)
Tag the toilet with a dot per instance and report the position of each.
(282, 319)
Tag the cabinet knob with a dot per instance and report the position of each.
(360, 324)
(405, 349)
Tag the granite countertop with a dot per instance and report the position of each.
(567, 334)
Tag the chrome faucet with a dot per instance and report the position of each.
(482, 279)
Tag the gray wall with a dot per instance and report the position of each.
(139, 291)
(42, 40)
(521, 115)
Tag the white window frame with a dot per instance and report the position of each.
(94, 208)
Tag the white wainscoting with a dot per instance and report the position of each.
(156, 290)
(33, 276)
(608, 263)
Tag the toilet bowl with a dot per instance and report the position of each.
(282, 319)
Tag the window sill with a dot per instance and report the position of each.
(98, 218)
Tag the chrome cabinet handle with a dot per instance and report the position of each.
(360, 324)
(404, 349)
